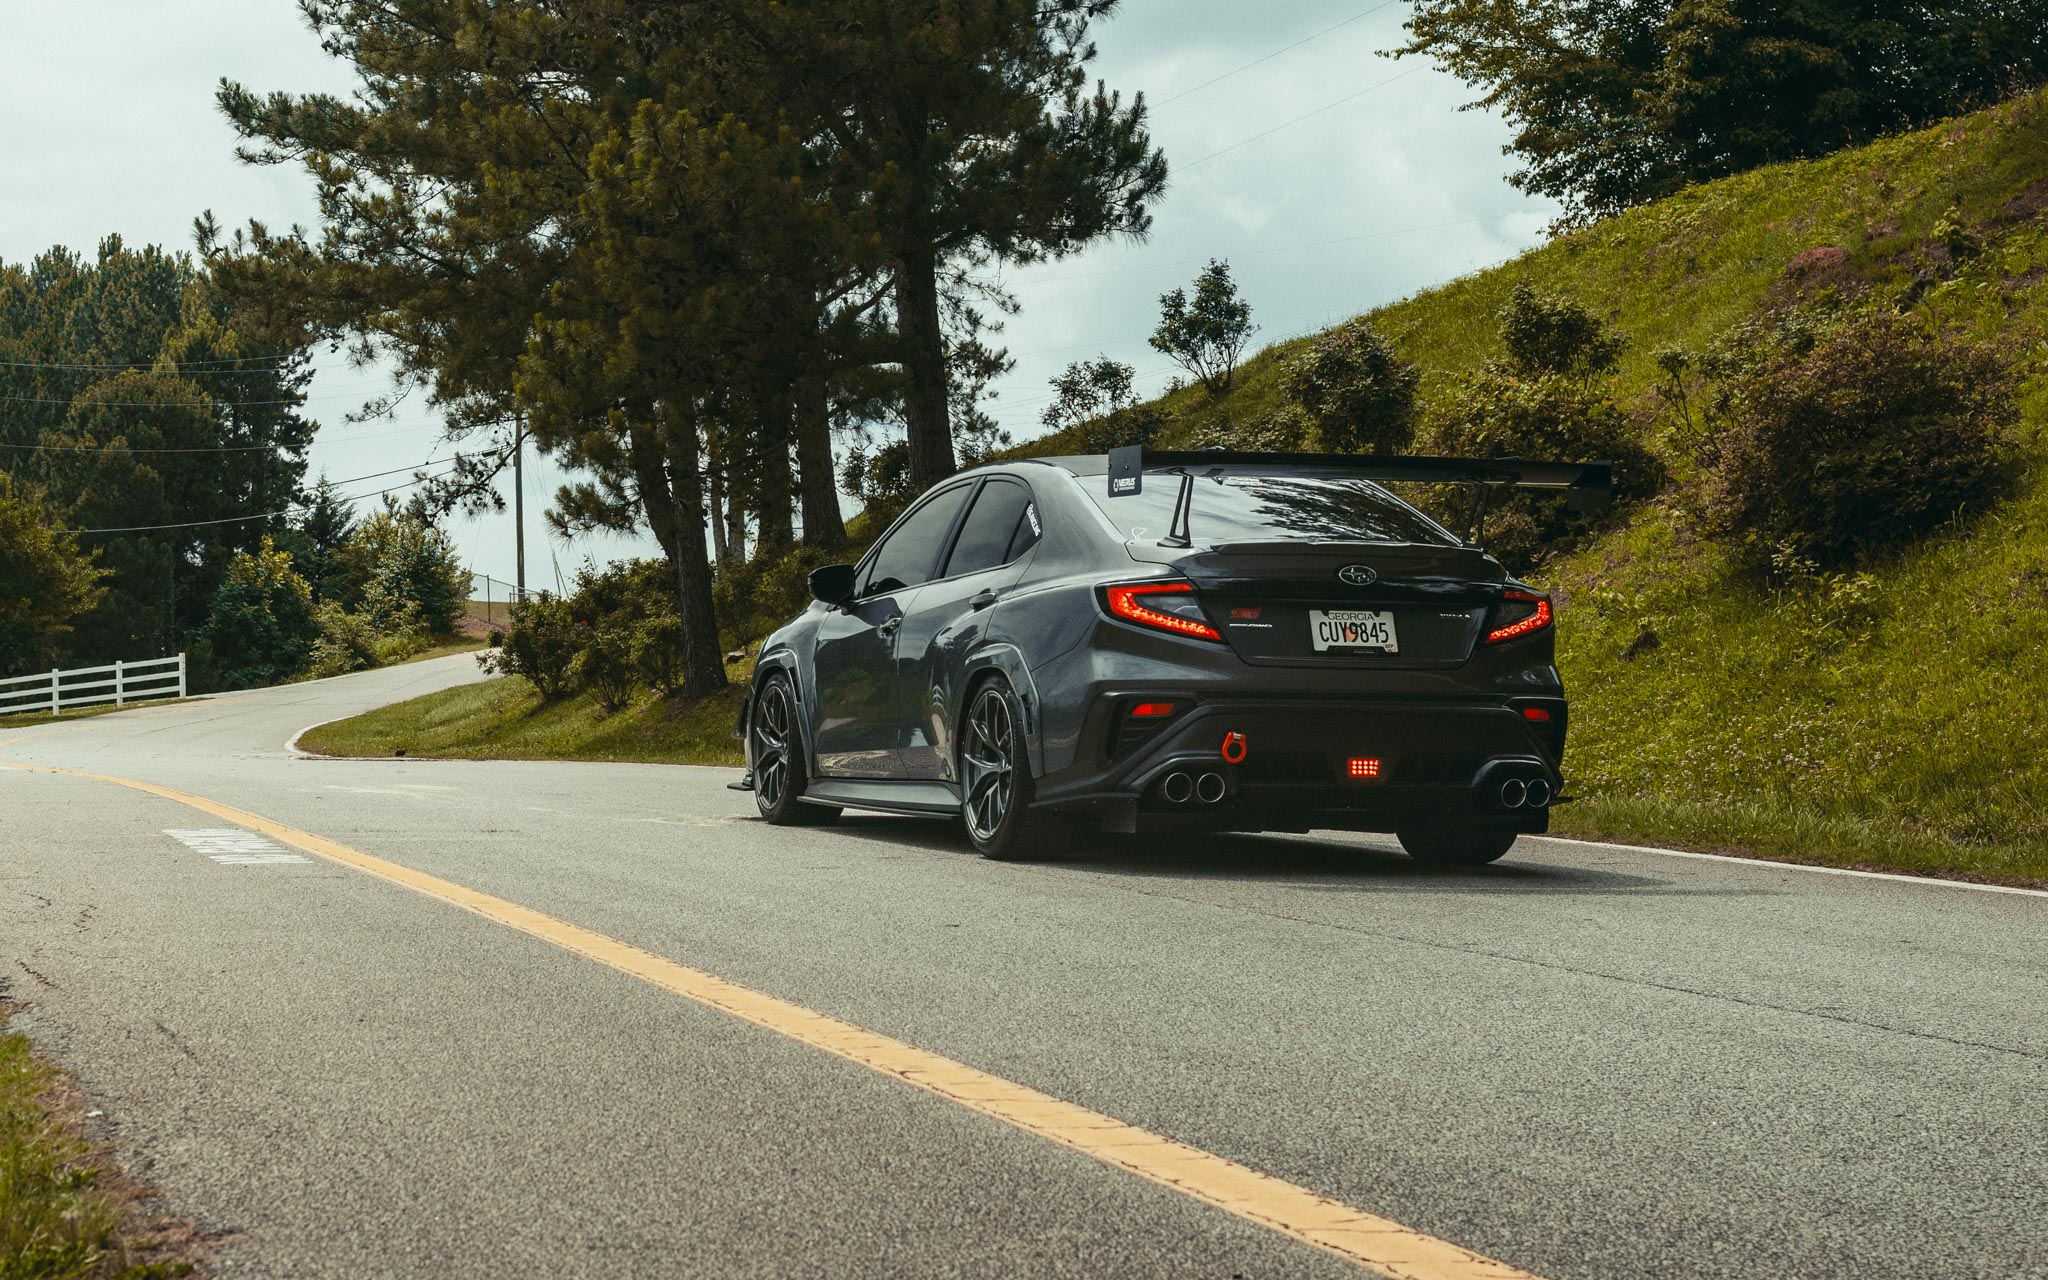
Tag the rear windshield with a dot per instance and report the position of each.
(1255, 508)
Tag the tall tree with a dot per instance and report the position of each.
(983, 141)
(158, 417)
(46, 582)
(1617, 102)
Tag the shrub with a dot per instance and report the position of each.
(541, 645)
(1546, 334)
(1357, 393)
(1831, 439)
(1495, 413)
(658, 653)
(1206, 335)
(400, 559)
(603, 666)
(261, 628)
(348, 642)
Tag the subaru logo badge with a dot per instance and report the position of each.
(1359, 575)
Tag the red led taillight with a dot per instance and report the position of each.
(1536, 715)
(1149, 710)
(1535, 620)
(1129, 604)
(1365, 767)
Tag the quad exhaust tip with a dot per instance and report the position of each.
(1177, 788)
(1210, 789)
(1518, 793)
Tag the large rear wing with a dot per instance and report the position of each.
(1585, 486)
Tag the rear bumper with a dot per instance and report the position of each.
(1433, 761)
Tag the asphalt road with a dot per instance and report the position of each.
(1583, 1062)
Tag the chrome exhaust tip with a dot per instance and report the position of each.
(1210, 788)
(1538, 793)
(1177, 788)
(1514, 793)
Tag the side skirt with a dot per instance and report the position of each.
(887, 795)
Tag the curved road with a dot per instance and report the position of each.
(1583, 1062)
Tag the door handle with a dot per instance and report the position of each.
(888, 628)
(983, 600)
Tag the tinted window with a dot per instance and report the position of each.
(907, 556)
(1254, 508)
(989, 537)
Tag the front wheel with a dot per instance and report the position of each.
(995, 782)
(777, 756)
(1461, 846)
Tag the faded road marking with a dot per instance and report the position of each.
(234, 848)
(1378, 1244)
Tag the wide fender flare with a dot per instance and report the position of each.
(1007, 661)
(784, 661)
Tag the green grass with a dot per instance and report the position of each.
(65, 1212)
(506, 719)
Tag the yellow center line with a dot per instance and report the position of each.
(1375, 1243)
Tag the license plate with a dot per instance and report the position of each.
(1352, 629)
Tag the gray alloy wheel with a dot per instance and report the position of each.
(995, 782)
(778, 759)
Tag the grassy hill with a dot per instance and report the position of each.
(1907, 729)
(1711, 709)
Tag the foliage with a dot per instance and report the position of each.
(541, 644)
(316, 539)
(1618, 104)
(406, 571)
(1835, 438)
(138, 396)
(1094, 400)
(878, 476)
(261, 629)
(603, 666)
(1545, 333)
(1356, 393)
(46, 582)
(1208, 334)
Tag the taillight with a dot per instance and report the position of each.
(1521, 613)
(1164, 606)
(1153, 710)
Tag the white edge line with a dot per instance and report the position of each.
(1801, 866)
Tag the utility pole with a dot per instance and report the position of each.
(519, 502)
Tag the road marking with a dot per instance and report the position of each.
(1377, 1244)
(1893, 876)
(232, 847)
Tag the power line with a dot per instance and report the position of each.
(1349, 97)
(265, 515)
(1277, 52)
(253, 365)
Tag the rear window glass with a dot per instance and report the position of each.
(1256, 508)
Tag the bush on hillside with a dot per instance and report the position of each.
(762, 594)
(1830, 439)
(1357, 393)
(1547, 334)
(541, 644)
(1494, 413)
(407, 572)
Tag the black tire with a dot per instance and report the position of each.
(995, 782)
(776, 751)
(1462, 846)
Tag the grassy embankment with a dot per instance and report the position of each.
(66, 1213)
(1912, 737)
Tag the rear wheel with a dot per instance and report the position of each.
(780, 776)
(1461, 846)
(995, 782)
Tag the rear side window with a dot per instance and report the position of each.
(1271, 508)
(1000, 527)
(911, 551)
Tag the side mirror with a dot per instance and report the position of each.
(833, 584)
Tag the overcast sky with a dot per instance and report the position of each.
(1332, 180)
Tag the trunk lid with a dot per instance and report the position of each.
(1340, 604)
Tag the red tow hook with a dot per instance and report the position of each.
(1234, 748)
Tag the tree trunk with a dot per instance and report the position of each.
(703, 659)
(720, 551)
(818, 485)
(923, 342)
(776, 491)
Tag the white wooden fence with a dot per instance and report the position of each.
(120, 684)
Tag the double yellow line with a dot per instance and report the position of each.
(1375, 1243)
